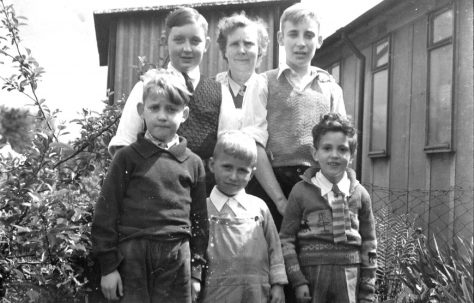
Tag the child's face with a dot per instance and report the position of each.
(162, 117)
(231, 173)
(242, 49)
(300, 41)
(333, 154)
(186, 46)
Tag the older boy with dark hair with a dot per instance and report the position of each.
(150, 222)
(328, 230)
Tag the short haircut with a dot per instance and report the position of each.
(237, 144)
(297, 13)
(182, 16)
(334, 122)
(162, 82)
(228, 25)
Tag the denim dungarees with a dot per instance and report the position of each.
(238, 262)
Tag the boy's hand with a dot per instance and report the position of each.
(302, 294)
(110, 284)
(195, 289)
(276, 294)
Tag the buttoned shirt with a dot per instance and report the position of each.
(252, 117)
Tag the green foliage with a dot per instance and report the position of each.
(441, 275)
(413, 271)
(396, 240)
(46, 195)
(16, 127)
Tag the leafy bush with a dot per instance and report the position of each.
(46, 195)
(413, 271)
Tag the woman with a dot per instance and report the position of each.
(243, 42)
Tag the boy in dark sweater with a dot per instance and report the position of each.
(150, 224)
(328, 230)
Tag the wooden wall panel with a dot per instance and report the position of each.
(441, 199)
(464, 125)
(366, 161)
(418, 162)
(399, 114)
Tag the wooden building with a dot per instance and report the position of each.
(124, 34)
(406, 69)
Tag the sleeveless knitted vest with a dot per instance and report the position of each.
(200, 129)
(291, 116)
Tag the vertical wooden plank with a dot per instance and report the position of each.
(441, 204)
(418, 162)
(399, 115)
(367, 177)
(463, 119)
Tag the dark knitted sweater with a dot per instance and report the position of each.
(200, 129)
(307, 238)
(155, 194)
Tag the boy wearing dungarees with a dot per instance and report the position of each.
(245, 262)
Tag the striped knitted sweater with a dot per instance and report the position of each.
(292, 113)
(307, 229)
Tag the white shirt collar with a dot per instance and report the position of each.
(234, 86)
(284, 67)
(194, 74)
(326, 186)
(219, 199)
(160, 144)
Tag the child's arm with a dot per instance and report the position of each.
(199, 223)
(111, 285)
(289, 230)
(104, 232)
(275, 255)
(368, 250)
(130, 122)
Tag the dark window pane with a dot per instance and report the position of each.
(442, 26)
(381, 53)
(379, 111)
(440, 90)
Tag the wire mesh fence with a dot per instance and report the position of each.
(445, 214)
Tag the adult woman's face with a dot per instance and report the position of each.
(242, 50)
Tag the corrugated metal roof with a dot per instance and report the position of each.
(171, 4)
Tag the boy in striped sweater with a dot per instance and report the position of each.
(328, 230)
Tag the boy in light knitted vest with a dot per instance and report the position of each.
(328, 230)
(297, 95)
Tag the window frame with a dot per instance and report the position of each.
(381, 153)
(430, 46)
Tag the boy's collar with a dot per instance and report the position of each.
(193, 74)
(147, 149)
(218, 198)
(160, 144)
(316, 72)
(325, 185)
